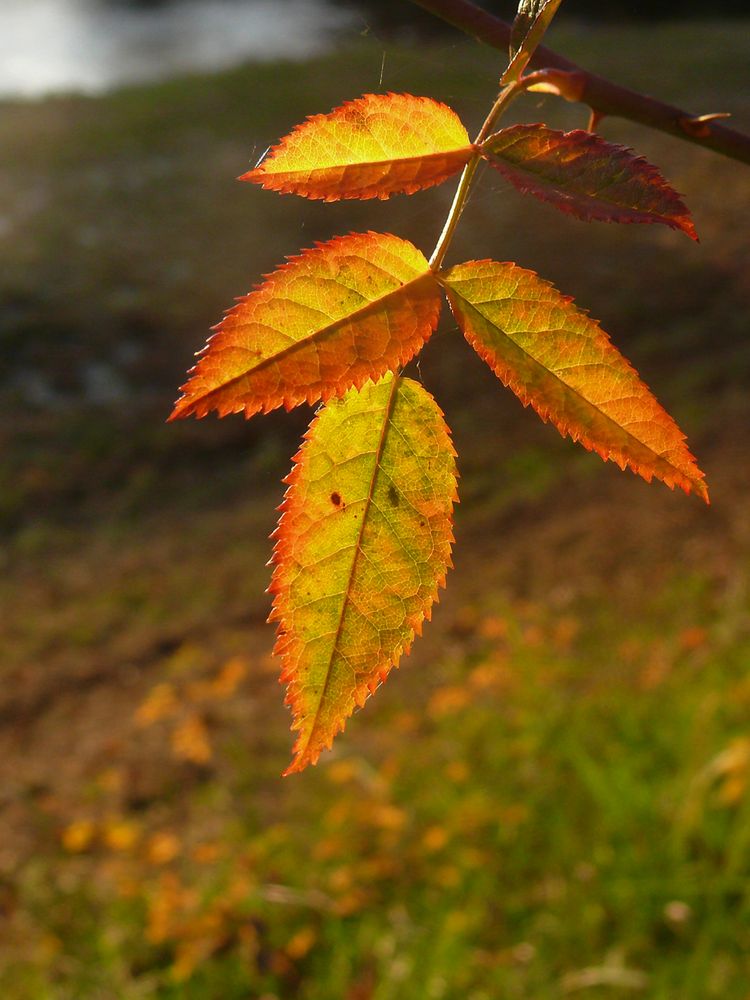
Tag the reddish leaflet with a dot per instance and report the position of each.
(364, 538)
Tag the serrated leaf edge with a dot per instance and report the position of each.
(184, 408)
(672, 478)
(280, 550)
(259, 175)
(517, 176)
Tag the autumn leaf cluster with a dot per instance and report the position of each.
(364, 538)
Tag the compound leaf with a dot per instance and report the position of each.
(338, 314)
(362, 546)
(581, 174)
(558, 360)
(373, 147)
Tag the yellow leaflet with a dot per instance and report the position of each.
(363, 544)
(373, 147)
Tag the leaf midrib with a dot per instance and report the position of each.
(420, 157)
(695, 481)
(523, 171)
(357, 553)
(320, 333)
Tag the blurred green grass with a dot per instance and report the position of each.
(552, 797)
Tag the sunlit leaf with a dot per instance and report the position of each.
(530, 23)
(331, 318)
(362, 546)
(581, 174)
(373, 147)
(558, 360)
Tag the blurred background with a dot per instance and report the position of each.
(552, 796)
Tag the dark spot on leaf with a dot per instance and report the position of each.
(336, 499)
(393, 496)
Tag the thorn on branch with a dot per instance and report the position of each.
(699, 126)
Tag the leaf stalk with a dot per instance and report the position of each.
(506, 95)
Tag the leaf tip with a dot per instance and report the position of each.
(297, 765)
(689, 229)
(255, 176)
(700, 488)
(180, 410)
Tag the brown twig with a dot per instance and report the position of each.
(601, 95)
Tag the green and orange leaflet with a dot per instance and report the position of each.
(364, 538)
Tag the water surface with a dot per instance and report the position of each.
(49, 46)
